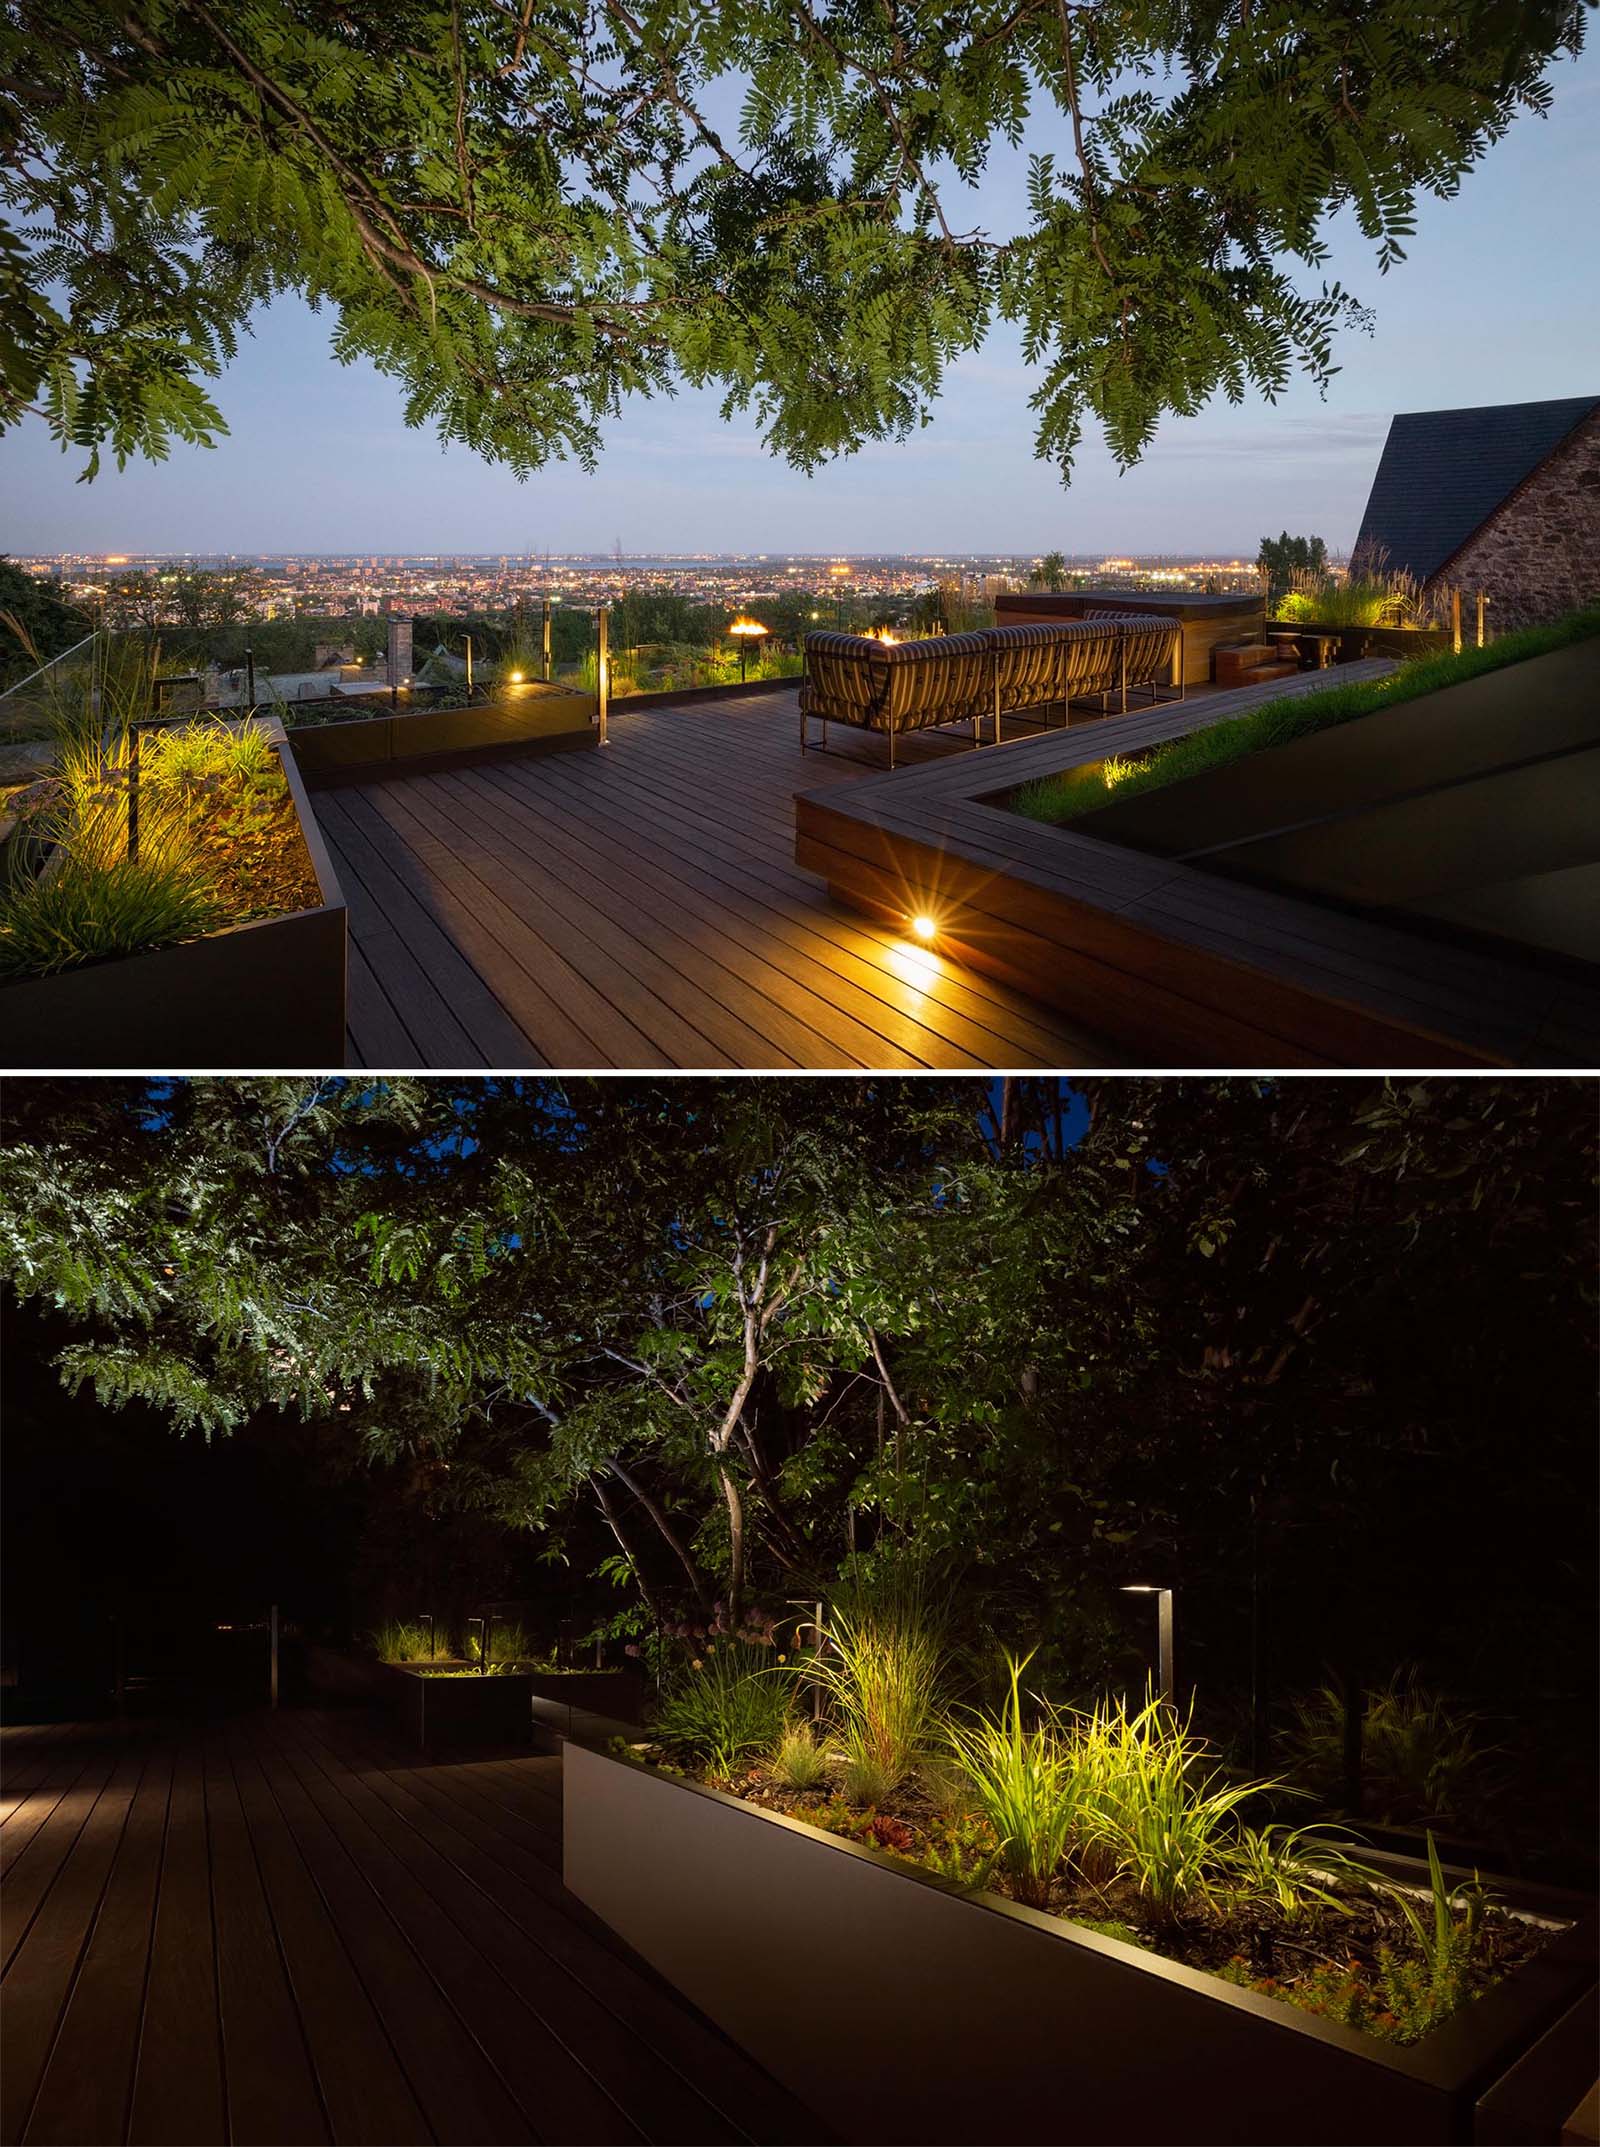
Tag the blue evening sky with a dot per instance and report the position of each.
(1499, 301)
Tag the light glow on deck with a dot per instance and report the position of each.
(918, 967)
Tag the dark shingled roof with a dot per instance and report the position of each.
(1444, 472)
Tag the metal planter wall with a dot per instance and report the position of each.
(254, 997)
(900, 2009)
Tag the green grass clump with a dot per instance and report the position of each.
(208, 796)
(84, 911)
(408, 1640)
(1058, 798)
(1422, 1757)
(1151, 1811)
(728, 1709)
(799, 1761)
(1025, 1785)
(509, 1642)
(882, 1675)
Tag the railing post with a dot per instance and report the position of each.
(469, 667)
(1455, 621)
(544, 639)
(272, 1628)
(602, 666)
(250, 677)
(1482, 600)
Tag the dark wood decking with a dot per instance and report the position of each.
(285, 1929)
(641, 907)
(1183, 966)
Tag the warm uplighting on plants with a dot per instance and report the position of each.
(746, 630)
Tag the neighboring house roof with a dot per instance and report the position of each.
(1443, 473)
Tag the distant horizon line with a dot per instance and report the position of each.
(591, 558)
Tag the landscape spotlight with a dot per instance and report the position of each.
(1164, 1670)
(924, 926)
(516, 678)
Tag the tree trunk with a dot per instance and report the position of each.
(730, 1491)
(613, 1521)
(657, 1513)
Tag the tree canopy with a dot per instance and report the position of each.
(526, 214)
(35, 623)
(1231, 1332)
(1284, 556)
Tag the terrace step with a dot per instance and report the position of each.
(1245, 663)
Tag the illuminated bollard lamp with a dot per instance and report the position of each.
(1165, 1676)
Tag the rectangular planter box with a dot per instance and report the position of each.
(438, 1713)
(617, 1693)
(901, 2009)
(256, 997)
(1357, 642)
(371, 745)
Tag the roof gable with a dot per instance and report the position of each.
(1444, 472)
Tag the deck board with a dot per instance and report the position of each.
(289, 1927)
(641, 907)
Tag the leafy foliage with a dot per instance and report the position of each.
(1421, 1756)
(1283, 557)
(570, 220)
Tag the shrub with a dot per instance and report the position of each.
(727, 1708)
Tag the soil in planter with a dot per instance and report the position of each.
(250, 837)
(1356, 1963)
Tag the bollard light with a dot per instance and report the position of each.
(1165, 1674)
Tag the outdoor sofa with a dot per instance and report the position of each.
(899, 686)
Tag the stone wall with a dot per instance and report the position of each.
(1538, 555)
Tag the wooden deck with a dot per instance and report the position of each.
(285, 1929)
(1183, 967)
(640, 907)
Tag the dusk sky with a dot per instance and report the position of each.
(1499, 301)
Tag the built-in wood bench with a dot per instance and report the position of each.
(1186, 967)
